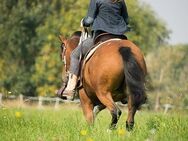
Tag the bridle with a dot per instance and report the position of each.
(63, 56)
(63, 52)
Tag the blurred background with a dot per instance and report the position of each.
(30, 62)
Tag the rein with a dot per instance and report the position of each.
(63, 48)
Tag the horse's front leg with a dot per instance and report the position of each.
(87, 106)
(131, 113)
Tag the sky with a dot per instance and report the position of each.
(175, 14)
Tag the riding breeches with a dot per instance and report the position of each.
(78, 53)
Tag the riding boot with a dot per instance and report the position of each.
(64, 84)
(71, 85)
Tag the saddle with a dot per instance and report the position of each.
(100, 39)
(106, 36)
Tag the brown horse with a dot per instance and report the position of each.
(115, 72)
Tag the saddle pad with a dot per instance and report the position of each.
(91, 52)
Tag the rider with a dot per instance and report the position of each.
(105, 16)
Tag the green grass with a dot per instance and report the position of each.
(67, 123)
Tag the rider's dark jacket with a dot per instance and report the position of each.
(108, 16)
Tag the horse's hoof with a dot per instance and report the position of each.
(129, 126)
(124, 101)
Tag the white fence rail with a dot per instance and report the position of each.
(39, 101)
(56, 102)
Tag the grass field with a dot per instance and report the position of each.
(68, 124)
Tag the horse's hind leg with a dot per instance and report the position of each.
(134, 103)
(87, 106)
(106, 99)
(131, 112)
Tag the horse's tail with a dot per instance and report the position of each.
(134, 76)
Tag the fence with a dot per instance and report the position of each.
(56, 102)
(39, 101)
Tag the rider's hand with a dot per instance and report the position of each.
(81, 23)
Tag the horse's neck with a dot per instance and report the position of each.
(74, 42)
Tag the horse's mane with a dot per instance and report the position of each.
(76, 33)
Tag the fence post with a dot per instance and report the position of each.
(56, 103)
(167, 107)
(21, 100)
(40, 102)
(1, 96)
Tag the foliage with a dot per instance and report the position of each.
(19, 45)
(47, 74)
(29, 46)
(148, 30)
(31, 124)
(46, 71)
(168, 69)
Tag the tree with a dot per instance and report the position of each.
(29, 39)
(18, 44)
(168, 69)
(47, 74)
(149, 31)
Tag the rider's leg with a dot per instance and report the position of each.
(73, 72)
(87, 44)
(76, 55)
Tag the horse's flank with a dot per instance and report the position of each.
(106, 67)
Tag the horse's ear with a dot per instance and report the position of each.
(61, 38)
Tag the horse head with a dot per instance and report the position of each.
(67, 46)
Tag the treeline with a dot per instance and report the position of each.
(168, 71)
(29, 47)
